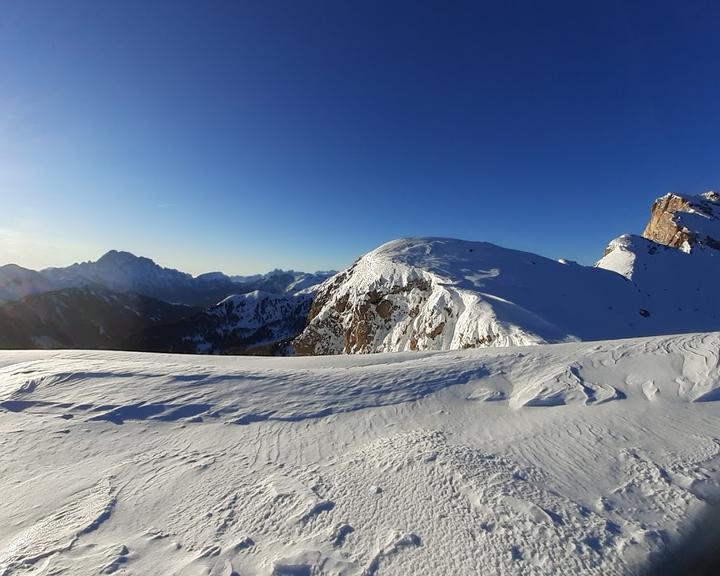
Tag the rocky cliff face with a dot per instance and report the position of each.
(441, 294)
(345, 320)
(685, 221)
(676, 262)
(679, 226)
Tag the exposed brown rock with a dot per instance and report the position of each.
(662, 227)
(437, 330)
(478, 342)
(384, 309)
(354, 325)
(681, 221)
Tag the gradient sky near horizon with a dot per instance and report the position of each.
(243, 136)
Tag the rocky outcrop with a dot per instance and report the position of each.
(676, 262)
(679, 225)
(685, 221)
(341, 322)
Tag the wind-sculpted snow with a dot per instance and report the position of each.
(123, 386)
(578, 458)
(57, 532)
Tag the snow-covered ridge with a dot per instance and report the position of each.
(440, 293)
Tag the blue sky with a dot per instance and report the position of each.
(244, 136)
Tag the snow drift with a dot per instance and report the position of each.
(568, 459)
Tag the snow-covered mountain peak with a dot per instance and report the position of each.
(442, 293)
(462, 263)
(676, 262)
(123, 271)
(122, 258)
(127, 263)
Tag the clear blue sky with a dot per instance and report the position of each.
(244, 136)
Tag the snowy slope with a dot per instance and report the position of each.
(580, 458)
(440, 293)
(657, 268)
(257, 309)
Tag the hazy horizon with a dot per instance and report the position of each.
(195, 273)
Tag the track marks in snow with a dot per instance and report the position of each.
(431, 497)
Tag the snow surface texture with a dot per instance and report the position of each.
(441, 294)
(578, 458)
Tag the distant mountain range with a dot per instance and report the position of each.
(125, 272)
(123, 301)
(408, 294)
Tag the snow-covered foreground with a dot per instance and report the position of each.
(577, 458)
